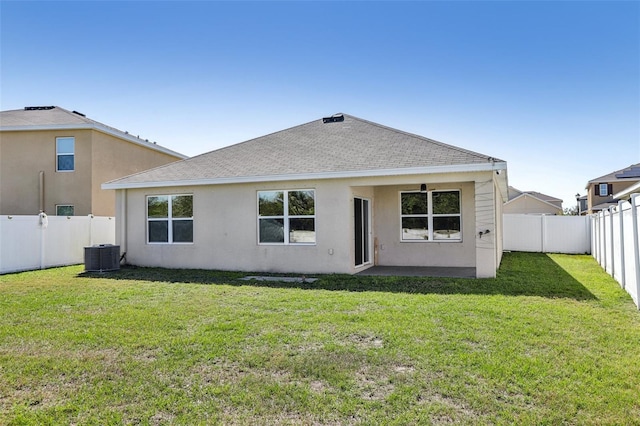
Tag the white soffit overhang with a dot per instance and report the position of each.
(462, 168)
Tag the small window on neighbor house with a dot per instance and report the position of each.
(64, 210)
(432, 215)
(286, 217)
(65, 154)
(603, 190)
(170, 219)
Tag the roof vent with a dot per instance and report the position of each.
(38, 108)
(79, 113)
(333, 119)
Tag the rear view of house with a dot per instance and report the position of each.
(54, 160)
(335, 195)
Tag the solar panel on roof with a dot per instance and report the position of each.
(633, 172)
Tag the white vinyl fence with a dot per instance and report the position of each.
(547, 234)
(615, 244)
(35, 242)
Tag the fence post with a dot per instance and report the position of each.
(43, 221)
(613, 243)
(622, 263)
(543, 231)
(636, 243)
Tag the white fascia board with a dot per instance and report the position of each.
(461, 168)
(88, 126)
(628, 191)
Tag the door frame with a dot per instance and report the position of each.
(362, 247)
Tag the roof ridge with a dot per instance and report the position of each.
(446, 145)
(612, 175)
(232, 145)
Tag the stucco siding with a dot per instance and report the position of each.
(24, 155)
(226, 227)
(113, 158)
(394, 252)
(226, 231)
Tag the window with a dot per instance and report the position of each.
(64, 210)
(170, 218)
(603, 190)
(286, 217)
(430, 216)
(65, 157)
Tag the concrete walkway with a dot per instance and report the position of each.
(419, 271)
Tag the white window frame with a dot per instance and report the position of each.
(430, 216)
(285, 217)
(72, 153)
(65, 205)
(169, 219)
(604, 186)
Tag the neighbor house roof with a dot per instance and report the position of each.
(56, 118)
(631, 174)
(516, 194)
(338, 146)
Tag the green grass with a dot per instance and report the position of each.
(552, 340)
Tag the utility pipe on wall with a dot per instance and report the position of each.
(41, 189)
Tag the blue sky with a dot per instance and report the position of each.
(552, 87)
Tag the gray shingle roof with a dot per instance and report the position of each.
(54, 117)
(352, 145)
(631, 173)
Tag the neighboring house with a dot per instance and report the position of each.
(582, 203)
(336, 195)
(601, 191)
(54, 160)
(531, 202)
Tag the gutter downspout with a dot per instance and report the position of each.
(41, 191)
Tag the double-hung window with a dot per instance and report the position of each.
(430, 216)
(287, 217)
(170, 218)
(65, 154)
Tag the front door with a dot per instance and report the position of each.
(362, 221)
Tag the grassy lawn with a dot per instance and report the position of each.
(552, 340)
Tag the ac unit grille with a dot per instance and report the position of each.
(103, 257)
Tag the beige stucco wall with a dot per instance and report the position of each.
(225, 231)
(25, 154)
(394, 252)
(113, 158)
(225, 227)
(98, 158)
(526, 204)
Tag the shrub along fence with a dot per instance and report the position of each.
(37, 242)
(616, 244)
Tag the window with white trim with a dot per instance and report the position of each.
(430, 216)
(64, 210)
(65, 154)
(287, 217)
(170, 218)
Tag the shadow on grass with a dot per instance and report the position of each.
(521, 274)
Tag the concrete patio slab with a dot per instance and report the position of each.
(419, 271)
